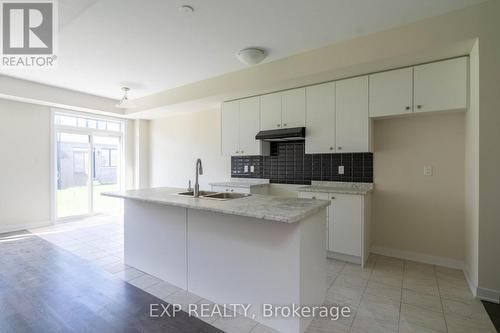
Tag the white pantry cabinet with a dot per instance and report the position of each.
(391, 93)
(352, 130)
(348, 225)
(285, 109)
(320, 118)
(441, 85)
(240, 122)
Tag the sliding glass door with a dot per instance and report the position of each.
(88, 163)
(73, 174)
(106, 166)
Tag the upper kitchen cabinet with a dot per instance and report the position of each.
(352, 130)
(240, 123)
(249, 125)
(270, 111)
(441, 85)
(230, 119)
(293, 108)
(320, 118)
(285, 109)
(391, 93)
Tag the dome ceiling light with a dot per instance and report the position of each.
(251, 56)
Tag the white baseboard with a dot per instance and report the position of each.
(419, 257)
(23, 226)
(343, 257)
(484, 294)
(489, 295)
(472, 285)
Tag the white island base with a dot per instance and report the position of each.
(230, 259)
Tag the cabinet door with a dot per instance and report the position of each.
(441, 85)
(249, 126)
(230, 128)
(320, 118)
(391, 93)
(351, 112)
(293, 110)
(270, 111)
(345, 224)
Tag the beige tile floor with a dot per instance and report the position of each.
(388, 295)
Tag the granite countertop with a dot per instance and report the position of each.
(267, 207)
(242, 182)
(338, 187)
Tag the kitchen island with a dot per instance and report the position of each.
(256, 249)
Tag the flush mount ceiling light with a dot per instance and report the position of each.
(186, 9)
(125, 103)
(251, 56)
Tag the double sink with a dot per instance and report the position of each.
(215, 195)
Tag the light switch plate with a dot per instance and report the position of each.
(428, 170)
(246, 168)
(252, 169)
(341, 169)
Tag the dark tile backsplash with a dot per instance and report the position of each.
(288, 164)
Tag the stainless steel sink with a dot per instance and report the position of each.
(191, 193)
(225, 196)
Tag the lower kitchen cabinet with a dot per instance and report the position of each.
(348, 225)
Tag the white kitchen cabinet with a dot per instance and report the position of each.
(352, 131)
(346, 216)
(441, 85)
(293, 108)
(391, 93)
(230, 119)
(270, 111)
(249, 126)
(284, 109)
(348, 225)
(320, 118)
(239, 124)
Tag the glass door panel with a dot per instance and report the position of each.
(106, 173)
(73, 174)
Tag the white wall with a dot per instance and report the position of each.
(412, 212)
(24, 165)
(142, 154)
(177, 141)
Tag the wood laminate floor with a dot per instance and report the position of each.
(44, 288)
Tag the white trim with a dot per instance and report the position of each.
(489, 295)
(343, 257)
(24, 226)
(484, 294)
(472, 285)
(419, 257)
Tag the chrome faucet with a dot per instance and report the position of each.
(199, 171)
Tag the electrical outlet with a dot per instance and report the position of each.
(341, 169)
(252, 169)
(428, 170)
(245, 169)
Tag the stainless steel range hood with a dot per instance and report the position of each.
(285, 134)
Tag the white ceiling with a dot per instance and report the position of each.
(151, 46)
